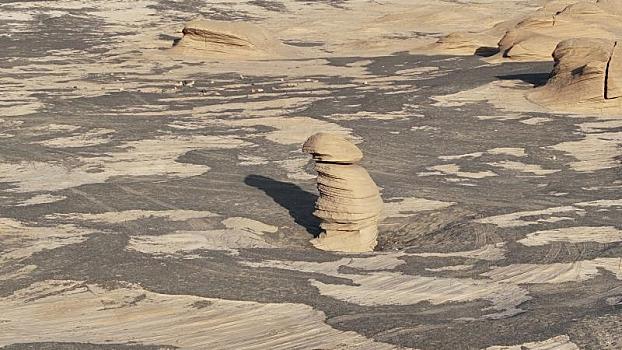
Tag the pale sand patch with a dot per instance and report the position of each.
(499, 117)
(377, 286)
(601, 234)
(510, 151)
(42, 176)
(116, 217)
(181, 242)
(73, 311)
(516, 219)
(256, 107)
(489, 252)
(600, 125)
(450, 268)
(41, 199)
(92, 137)
(135, 14)
(186, 124)
(522, 167)
(505, 95)
(454, 169)
(250, 225)
(461, 156)
(247, 159)
(15, 274)
(601, 188)
(239, 233)
(561, 342)
(387, 288)
(554, 219)
(16, 103)
(576, 271)
(377, 262)
(20, 240)
(365, 115)
(52, 128)
(601, 203)
(535, 120)
(8, 126)
(8, 15)
(19, 108)
(594, 152)
(424, 128)
(402, 207)
(18, 95)
(155, 157)
(417, 71)
(54, 10)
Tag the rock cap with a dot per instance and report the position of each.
(332, 148)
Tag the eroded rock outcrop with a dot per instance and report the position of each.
(349, 205)
(537, 36)
(230, 39)
(614, 73)
(586, 71)
(533, 37)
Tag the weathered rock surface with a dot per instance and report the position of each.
(349, 205)
(234, 39)
(614, 73)
(586, 71)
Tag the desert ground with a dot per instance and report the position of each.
(154, 193)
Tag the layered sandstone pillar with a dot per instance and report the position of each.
(349, 205)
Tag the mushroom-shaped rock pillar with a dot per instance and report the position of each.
(349, 205)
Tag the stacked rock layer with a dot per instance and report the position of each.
(349, 205)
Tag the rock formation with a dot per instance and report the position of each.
(535, 36)
(230, 39)
(613, 87)
(349, 205)
(586, 71)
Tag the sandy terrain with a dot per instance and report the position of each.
(154, 193)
